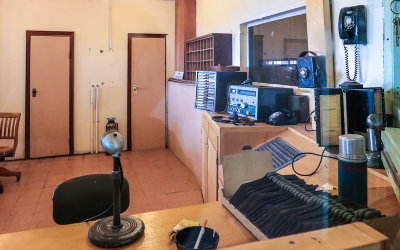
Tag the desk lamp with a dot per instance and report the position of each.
(116, 230)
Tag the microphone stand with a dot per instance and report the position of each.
(116, 230)
(117, 179)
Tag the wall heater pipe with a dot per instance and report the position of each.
(97, 119)
(109, 25)
(91, 118)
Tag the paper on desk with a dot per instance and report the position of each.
(244, 167)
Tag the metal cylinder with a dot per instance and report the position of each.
(352, 169)
(372, 140)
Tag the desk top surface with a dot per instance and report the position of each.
(157, 226)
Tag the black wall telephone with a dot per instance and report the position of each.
(352, 25)
(353, 30)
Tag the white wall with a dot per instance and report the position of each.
(371, 54)
(227, 15)
(89, 20)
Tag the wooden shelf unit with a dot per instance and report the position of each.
(205, 51)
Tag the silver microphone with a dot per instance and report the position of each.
(113, 142)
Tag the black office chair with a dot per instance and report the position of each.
(86, 198)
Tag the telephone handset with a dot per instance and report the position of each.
(352, 25)
(353, 31)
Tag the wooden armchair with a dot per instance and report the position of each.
(9, 123)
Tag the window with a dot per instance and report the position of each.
(274, 44)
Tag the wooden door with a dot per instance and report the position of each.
(49, 95)
(146, 107)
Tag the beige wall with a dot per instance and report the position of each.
(89, 20)
(184, 126)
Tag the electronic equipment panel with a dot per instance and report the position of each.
(212, 89)
(257, 102)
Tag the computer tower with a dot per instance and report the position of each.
(212, 89)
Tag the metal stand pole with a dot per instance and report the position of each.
(116, 177)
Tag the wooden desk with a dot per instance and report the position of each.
(157, 226)
(220, 139)
(232, 234)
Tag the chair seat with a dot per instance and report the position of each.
(6, 151)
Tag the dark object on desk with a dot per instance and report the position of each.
(299, 105)
(282, 152)
(234, 119)
(257, 102)
(212, 89)
(9, 123)
(86, 197)
(117, 230)
(311, 70)
(186, 238)
(283, 117)
(280, 205)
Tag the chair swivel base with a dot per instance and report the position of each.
(103, 235)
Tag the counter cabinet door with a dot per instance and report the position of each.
(204, 164)
(212, 170)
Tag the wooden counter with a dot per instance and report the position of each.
(157, 226)
(219, 139)
(232, 234)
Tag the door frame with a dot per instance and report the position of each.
(29, 34)
(129, 87)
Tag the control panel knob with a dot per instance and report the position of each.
(245, 105)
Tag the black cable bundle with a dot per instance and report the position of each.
(282, 205)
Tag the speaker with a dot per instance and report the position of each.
(298, 104)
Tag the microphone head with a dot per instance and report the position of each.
(113, 142)
(374, 121)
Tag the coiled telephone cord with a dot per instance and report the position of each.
(356, 62)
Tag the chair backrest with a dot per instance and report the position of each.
(87, 197)
(9, 123)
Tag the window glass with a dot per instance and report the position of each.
(274, 47)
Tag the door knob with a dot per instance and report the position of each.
(34, 92)
(135, 89)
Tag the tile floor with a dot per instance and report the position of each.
(157, 179)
